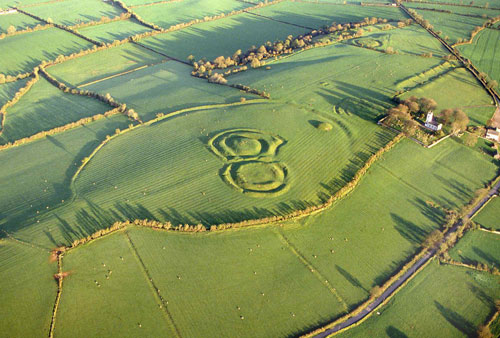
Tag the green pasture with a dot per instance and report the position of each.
(462, 10)
(36, 176)
(426, 76)
(337, 79)
(489, 216)
(453, 26)
(457, 89)
(441, 301)
(72, 12)
(412, 40)
(317, 15)
(113, 31)
(164, 88)
(106, 278)
(45, 107)
(9, 89)
(28, 289)
(221, 37)
(18, 20)
(104, 64)
(484, 52)
(478, 247)
(363, 239)
(42, 45)
(170, 14)
(466, 3)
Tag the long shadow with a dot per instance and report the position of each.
(486, 256)
(393, 332)
(459, 322)
(408, 230)
(350, 278)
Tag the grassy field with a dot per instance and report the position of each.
(43, 45)
(104, 64)
(465, 2)
(317, 15)
(164, 88)
(170, 14)
(389, 206)
(45, 107)
(484, 52)
(71, 12)
(119, 304)
(412, 40)
(221, 37)
(452, 26)
(35, 185)
(28, 290)
(458, 89)
(358, 80)
(456, 302)
(112, 31)
(18, 20)
(9, 89)
(487, 13)
(478, 247)
(490, 215)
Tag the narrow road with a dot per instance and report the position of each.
(411, 271)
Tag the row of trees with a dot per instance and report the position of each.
(12, 30)
(134, 15)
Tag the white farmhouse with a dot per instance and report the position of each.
(493, 134)
(431, 124)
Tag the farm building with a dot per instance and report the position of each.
(493, 134)
(431, 124)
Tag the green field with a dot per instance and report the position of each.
(170, 14)
(9, 89)
(27, 287)
(474, 100)
(35, 185)
(43, 45)
(489, 217)
(221, 37)
(18, 20)
(104, 64)
(456, 302)
(452, 26)
(72, 12)
(478, 247)
(466, 3)
(317, 15)
(462, 10)
(113, 31)
(45, 107)
(484, 52)
(164, 88)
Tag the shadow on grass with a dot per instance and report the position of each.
(455, 319)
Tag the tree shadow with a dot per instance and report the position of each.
(393, 332)
(455, 319)
(350, 278)
(408, 230)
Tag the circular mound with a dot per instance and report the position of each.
(324, 126)
(367, 42)
(243, 146)
(257, 178)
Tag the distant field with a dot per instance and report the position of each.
(18, 20)
(452, 26)
(176, 12)
(71, 12)
(412, 40)
(456, 301)
(445, 89)
(28, 290)
(478, 247)
(221, 37)
(463, 10)
(466, 2)
(489, 217)
(247, 290)
(112, 31)
(384, 221)
(43, 45)
(484, 53)
(317, 15)
(165, 88)
(119, 304)
(34, 185)
(103, 64)
(358, 80)
(45, 107)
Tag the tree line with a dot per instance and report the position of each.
(12, 30)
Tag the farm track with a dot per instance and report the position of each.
(153, 286)
(408, 275)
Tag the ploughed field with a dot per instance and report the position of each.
(155, 181)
